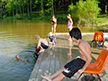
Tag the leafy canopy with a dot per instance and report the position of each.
(85, 11)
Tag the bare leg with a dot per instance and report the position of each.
(52, 28)
(42, 50)
(69, 29)
(54, 75)
(57, 73)
(59, 78)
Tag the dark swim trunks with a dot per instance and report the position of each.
(44, 46)
(73, 66)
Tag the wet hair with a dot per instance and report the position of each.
(76, 33)
(16, 56)
(37, 36)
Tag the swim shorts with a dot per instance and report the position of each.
(44, 46)
(73, 66)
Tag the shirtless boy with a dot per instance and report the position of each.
(76, 65)
(42, 43)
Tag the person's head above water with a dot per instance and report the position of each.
(76, 33)
(17, 57)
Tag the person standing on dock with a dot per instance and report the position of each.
(78, 64)
(70, 25)
(54, 24)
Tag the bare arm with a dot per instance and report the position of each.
(71, 21)
(51, 42)
(39, 43)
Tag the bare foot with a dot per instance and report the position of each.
(46, 78)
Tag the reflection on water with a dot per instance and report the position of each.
(70, 53)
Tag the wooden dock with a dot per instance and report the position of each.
(54, 58)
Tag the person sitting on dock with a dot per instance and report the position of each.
(42, 43)
(52, 40)
(78, 64)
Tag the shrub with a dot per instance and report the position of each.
(84, 11)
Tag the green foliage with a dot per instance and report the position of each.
(46, 5)
(85, 12)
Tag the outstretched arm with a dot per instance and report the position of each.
(24, 59)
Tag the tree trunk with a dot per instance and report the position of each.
(30, 7)
(105, 8)
(52, 8)
(1, 10)
(42, 7)
(20, 7)
(23, 8)
(16, 9)
(13, 12)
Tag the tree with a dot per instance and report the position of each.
(85, 11)
(105, 6)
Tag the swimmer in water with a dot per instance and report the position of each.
(18, 58)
